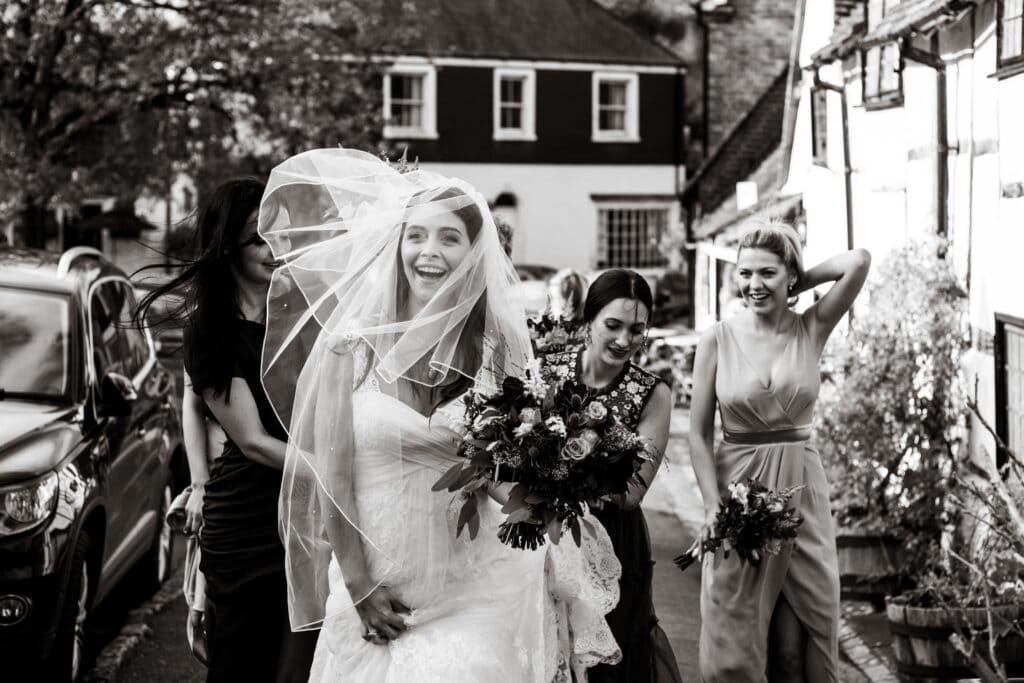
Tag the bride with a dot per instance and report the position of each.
(388, 311)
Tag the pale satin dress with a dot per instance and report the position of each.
(765, 436)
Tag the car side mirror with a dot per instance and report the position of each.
(117, 393)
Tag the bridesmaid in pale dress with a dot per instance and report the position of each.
(779, 621)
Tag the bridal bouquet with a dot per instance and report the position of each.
(551, 334)
(754, 521)
(560, 448)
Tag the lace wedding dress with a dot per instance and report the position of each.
(481, 611)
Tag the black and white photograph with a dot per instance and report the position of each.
(511, 341)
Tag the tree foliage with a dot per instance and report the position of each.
(112, 96)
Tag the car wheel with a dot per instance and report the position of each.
(156, 565)
(64, 665)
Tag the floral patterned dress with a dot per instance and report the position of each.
(646, 653)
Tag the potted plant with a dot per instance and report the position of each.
(890, 420)
(965, 618)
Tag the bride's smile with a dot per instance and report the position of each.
(433, 246)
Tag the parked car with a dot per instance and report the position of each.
(90, 454)
(532, 290)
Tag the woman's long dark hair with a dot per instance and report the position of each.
(207, 283)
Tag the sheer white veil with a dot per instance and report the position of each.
(336, 322)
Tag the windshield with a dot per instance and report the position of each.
(33, 344)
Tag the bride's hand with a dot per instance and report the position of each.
(381, 615)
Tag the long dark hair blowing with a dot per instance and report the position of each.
(618, 283)
(207, 284)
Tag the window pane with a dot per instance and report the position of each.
(611, 119)
(819, 103)
(407, 115)
(135, 344)
(1012, 29)
(511, 90)
(34, 353)
(511, 117)
(613, 94)
(890, 76)
(1014, 385)
(406, 87)
(627, 238)
(871, 67)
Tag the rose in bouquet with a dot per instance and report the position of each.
(551, 334)
(559, 446)
(753, 521)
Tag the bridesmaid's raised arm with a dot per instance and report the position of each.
(702, 422)
(653, 427)
(848, 270)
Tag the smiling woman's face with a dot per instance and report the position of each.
(617, 331)
(763, 280)
(433, 246)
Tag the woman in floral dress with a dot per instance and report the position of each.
(617, 312)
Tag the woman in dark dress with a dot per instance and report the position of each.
(616, 312)
(247, 630)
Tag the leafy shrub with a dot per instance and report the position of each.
(891, 412)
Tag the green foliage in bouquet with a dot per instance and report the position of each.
(890, 415)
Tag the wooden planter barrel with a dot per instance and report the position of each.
(920, 639)
(869, 565)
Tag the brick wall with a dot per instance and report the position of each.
(747, 52)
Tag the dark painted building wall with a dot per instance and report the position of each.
(465, 115)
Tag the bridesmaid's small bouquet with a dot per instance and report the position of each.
(551, 334)
(754, 521)
(558, 445)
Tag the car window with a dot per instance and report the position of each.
(119, 344)
(136, 344)
(108, 353)
(34, 343)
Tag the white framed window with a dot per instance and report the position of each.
(410, 101)
(615, 107)
(628, 233)
(515, 104)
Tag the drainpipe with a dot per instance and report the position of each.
(934, 61)
(847, 166)
(705, 102)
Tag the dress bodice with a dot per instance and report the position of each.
(748, 404)
(626, 396)
(386, 426)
